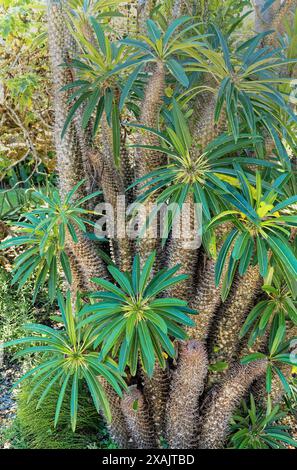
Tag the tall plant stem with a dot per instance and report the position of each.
(222, 403)
(139, 422)
(186, 387)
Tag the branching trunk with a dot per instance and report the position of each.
(156, 391)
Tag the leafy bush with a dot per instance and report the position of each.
(67, 356)
(44, 232)
(254, 429)
(36, 426)
(16, 308)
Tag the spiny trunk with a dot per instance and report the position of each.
(118, 429)
(139, 422)
(144, 9)
(208, 297)
(183, 250)
(186, 387)
(205, 129)
(4, 230)
(69, 157)
(113, 187)
(233, 314)
(216, 416)
(156, 390)
(146, 160)
(291, 421)
(127, 171)
(278, 20)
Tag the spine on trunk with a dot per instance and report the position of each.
(112, 184)
(147, 160)
(118, 429)
(277, 389)
(215, 418)
(139, 422)
(225, 339)
(207, 299)
(278, 19)
(205, 129)
(183, 250)
(186, 387)
(144, 8)
(156, 392)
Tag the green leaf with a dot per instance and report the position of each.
(178, 72)
(61, 398)
(66, 266)
(128, 85)
(146, 346)
(74, 401)
(72, 112)
(281, 249)
(262, 256)
(99, 112)
(121, 279)
(52, 282)
(223, 255)
(99, 34)
(146, 271)
(279, 336)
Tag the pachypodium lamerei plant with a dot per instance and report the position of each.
(68, 357)
(45, 233)
(177, 329)
(254, 429)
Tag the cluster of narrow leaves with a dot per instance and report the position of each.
(132, 321)
(278, 354)
(43, 234)
(252, 428)
(67, 356)
(202, 178)
(274, 311)
(102, 82)
(244, 80)
(260, 230)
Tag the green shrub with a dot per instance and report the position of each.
(16, 308)
(36, 427)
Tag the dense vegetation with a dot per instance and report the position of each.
(189, 106)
